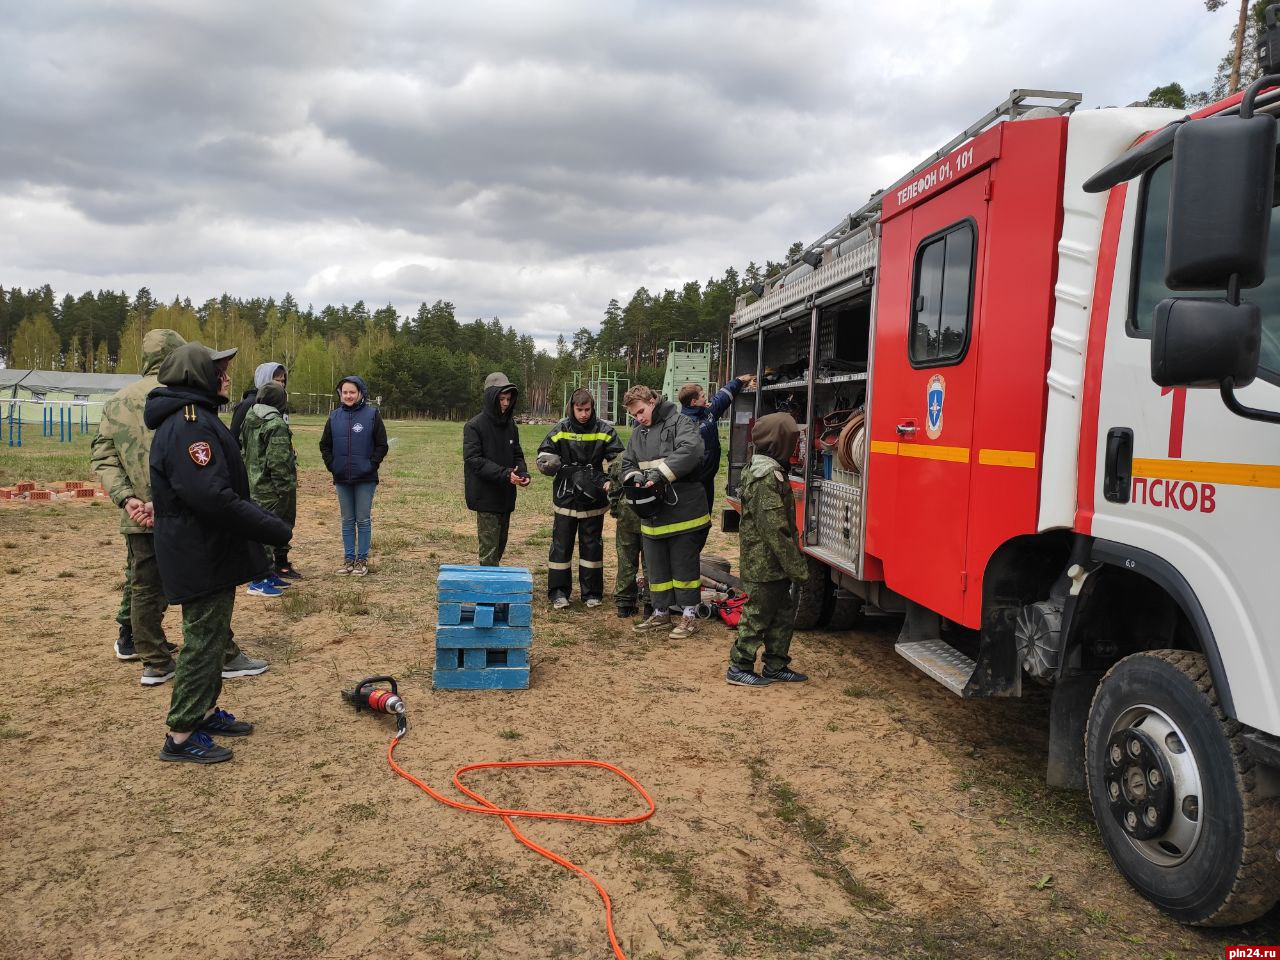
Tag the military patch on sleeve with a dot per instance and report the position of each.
(201, 454)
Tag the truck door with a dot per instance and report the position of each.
(923, 400)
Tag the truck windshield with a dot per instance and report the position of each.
(1148, 283)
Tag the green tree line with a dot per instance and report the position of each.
(427, 364)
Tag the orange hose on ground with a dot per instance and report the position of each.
(493, 810)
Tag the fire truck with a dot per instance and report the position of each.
(1037, 380)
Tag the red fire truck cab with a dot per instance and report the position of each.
(985, 452)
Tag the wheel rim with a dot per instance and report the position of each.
(1153, 785)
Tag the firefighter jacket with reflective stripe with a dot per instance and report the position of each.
(582, 448)
(672, 448)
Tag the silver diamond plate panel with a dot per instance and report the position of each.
(828, 275)
(839, 512)
(940, 660)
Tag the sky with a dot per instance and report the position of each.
(527, 160)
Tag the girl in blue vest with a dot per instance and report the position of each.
(353, 445)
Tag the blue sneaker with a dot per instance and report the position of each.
(225, 724)
(264, 588)
(279, 582)
(197, 748)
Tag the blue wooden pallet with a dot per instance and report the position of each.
(498, 638)
(485, 615)
(484, 632)
(510, 678)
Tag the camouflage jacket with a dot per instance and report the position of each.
(628, 520)
(267, 444)
(120, 455)
(767, 532)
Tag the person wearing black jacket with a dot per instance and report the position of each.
(208, 537)
(493, 466)
(354, 444)
(577, 452)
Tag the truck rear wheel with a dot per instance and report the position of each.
(1175, 794)
(814, 597)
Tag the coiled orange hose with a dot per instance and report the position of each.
(491, 809)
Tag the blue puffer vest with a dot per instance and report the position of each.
(352, 430)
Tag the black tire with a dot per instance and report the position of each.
(814, 597)
(1200, 841)
(846, 613)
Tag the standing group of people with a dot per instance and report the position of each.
(660, 488)
(206, 508)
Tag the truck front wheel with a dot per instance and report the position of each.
(814, 597)
(1176, 796)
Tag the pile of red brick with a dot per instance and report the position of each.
(68, 490)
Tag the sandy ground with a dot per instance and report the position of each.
(868, 813)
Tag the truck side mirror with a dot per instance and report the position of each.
(1201, 343)
(1220, 198)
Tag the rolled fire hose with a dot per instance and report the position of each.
(851, 448)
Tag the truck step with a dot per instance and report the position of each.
(940, 660)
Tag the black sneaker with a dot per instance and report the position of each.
(626, 613)
(287, 571)
(745, 678)
(170, 648)
(225, 725)
(125, 650)
(197, 748)
(785, 675)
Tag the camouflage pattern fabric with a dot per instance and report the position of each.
(627, 540)
(767, 619)
(491, 530)
(126, 594)
(147, 605)
(206, 630)
(269, 459)
(767, 532)
(122, 448)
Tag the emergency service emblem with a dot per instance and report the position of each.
(935, 394)
(357, 428)
(200, 453)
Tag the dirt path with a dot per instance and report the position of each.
(868, 813)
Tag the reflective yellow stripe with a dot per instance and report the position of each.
(579, 514)
(1204, 471)
(674, 585)
(1008, 458)
(694, 524)
(569, 435)
(884, 446)
(923, 451)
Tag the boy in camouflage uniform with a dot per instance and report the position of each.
(119, 457)
(267, 444)
(627, 543)
(770, 558)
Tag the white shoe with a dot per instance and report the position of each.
(593, 602)
(560, 602)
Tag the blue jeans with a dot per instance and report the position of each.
(355, 501)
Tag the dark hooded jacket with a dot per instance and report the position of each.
(491, 451)
(767, 531)
(585, 450)
(707, 420)
(669, 452)
(264, 373)
(208, 533)
(354, 442)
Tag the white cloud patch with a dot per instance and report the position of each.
(523, 161)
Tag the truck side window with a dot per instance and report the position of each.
(1148, 274)
(942, 297)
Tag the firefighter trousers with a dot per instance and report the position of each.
(589, 532)
(673, 568)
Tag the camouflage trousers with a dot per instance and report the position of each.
(146, 601)
(627, 543)
(491, 531)
(767, 619)
(206, 631)
(124, 615)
